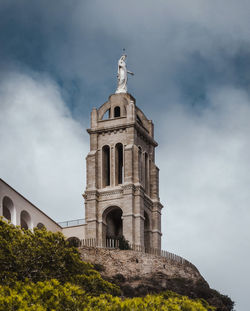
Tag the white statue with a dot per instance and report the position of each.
(122, 75)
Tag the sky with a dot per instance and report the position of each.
(191, 61)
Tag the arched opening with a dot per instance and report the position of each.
(146, 173)
(139, 163)
(146, 232)
(25, 220)
(74, 241)
(114, 223)
(6, 213)
(106, 115)
(8, 210)
(118, 164)
(106, 166)
(117, 112)
(40, 226)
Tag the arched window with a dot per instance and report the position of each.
(118, 164)
(8, 210)
(106, 166)
(146, 173)
(117, 112)
(106, 115)
(25, 220)
(40, 226)
(140, 163)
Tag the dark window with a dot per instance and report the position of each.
(119, 164)
(25, 220)
(6, 213)
(8, 208)
(140, 163)
(106, 166)
(146, 172)
(117, 112)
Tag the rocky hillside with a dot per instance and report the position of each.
(138, 274)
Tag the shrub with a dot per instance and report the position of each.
(51, 295)
(123, 243)
(42, 255)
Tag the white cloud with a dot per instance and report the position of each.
(42, 148)
(171, 45)
(204, 162)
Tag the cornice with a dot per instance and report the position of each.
(113, 128)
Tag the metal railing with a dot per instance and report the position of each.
(115, 244)
(72, 223)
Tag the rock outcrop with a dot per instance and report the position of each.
(138, 274)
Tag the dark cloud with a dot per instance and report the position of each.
(190, 60)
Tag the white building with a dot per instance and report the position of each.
(15, 208)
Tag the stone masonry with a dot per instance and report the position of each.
(122, 188)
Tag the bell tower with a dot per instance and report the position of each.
(122, 188)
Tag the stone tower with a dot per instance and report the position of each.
(122, 189)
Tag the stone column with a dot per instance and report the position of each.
(91, 214)
(128, 162)
(128, 214)
(139, 218)
(156, 228)
(91, 167)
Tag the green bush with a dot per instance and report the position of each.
(51, 295)
(42, 255)
(41, 271)
(123, 243)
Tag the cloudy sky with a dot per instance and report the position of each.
(192, 75)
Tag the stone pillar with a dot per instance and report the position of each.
(154, 182)
(128, 214)
(128, 161)
(139, 218)
(91, 214)
(156, 225)
(18, 217)
(94, 118)
(91, 167)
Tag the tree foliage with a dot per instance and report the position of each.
(51, 295)
(43, 255)
(41, 271)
